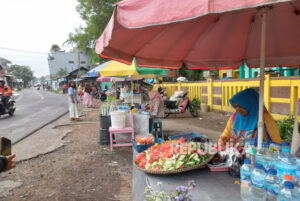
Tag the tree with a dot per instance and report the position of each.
(55, 48)
(62, 72)
(21, 72)
(96, 14)
(42, 79)
(191, 75)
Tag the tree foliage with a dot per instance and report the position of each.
(21, 72)
(96, 14)
(62, 72)
(42, 79)
(55, 48)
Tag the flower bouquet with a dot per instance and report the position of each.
(174, 156)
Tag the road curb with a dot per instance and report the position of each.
(37, 129)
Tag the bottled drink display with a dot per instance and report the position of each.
(275, 176)
(246, 171)
(257, 182)
(287, 194)
(287, 164)
(271, 185)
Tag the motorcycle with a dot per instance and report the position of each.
(9, 108)
(171, 106)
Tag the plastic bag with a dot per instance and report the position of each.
(235, 161)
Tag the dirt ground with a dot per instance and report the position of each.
(81, 170)
(204, 124)
(84, 170)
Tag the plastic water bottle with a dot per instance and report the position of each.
(246, 171)
(286, 177)
(275, 151)
(287, 164)
(285, 144)
(252, 156)
(297, 186)
(264, 156)
(257, 182)
(248, 145)
(286, 194)
(271, 185)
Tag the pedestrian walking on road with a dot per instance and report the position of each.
(73, 102)
(80, 91)
(64, 88)
(88, 96)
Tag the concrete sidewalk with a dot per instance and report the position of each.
(49, 138)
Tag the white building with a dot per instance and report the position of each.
(67, 60)
(3, 64)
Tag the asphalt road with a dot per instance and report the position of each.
(34, 109)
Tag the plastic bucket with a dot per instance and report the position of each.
(104, 137)
(118, 119)
(105, 122)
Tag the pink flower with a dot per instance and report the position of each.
(201, 152)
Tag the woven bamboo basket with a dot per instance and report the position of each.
(201, 165)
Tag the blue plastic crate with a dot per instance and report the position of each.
(141, 148)
(186, 136)
(159, 140)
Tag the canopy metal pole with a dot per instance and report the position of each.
(260, 125)
(131, 91)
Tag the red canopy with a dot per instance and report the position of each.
(204, 34)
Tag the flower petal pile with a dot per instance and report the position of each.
(144, 141)
(172, 155)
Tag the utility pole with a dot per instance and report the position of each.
(78, 60)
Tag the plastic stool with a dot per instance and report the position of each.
(155, 125)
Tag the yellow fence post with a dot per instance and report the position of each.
(210, 93)
(267, 92)
(179, 86)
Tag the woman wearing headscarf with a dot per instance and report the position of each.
(87, 96)
(156, 103)
(243, 123)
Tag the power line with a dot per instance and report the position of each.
(25, 51)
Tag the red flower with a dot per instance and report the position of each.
(181, 140)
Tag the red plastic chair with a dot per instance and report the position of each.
(114, 131)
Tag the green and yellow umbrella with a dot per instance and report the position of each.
(118, 69)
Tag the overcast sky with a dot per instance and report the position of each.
(34, 25)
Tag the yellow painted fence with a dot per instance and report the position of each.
(280, 93)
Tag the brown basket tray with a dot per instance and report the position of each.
(201, 165)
